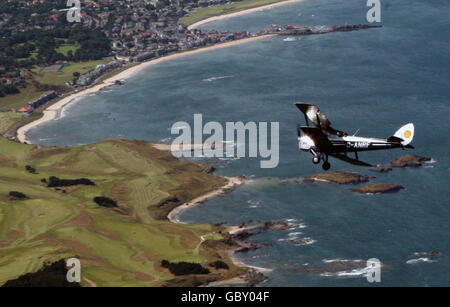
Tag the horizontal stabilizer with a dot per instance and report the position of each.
(394, 139)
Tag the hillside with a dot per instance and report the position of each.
(121, 246)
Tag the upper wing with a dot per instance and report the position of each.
(319, 119)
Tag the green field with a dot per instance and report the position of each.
(7, 120)
(64, 49)
(55, 76)
(21, 99)
(117, 247)
(216, 10)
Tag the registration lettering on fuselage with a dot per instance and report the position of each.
(358, 144)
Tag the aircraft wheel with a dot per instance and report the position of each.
(326, 166)
(316, 160)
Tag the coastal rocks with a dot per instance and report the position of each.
(253, 277)
(209, 169)
(409, 161)
(303, 241)
(379, 188)
(380, 169)
(338, 177)
(337, 267)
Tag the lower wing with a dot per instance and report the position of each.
(350, 160)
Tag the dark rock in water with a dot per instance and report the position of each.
(334, 267)
(277, 225)
(253, 277)
(380, 169)
(339, 177)
(209, 169)
(379, 188)
(409, 160)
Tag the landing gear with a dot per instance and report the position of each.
(316, 160)
(318, 156)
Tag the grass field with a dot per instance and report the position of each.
(216, 10)
(21, 99)
(64, 49)
(7, 120)
(117, 247)
(51, 74)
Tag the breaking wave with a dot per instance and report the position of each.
(211, 79)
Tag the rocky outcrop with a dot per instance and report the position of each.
(380, 169)
(253, 277)
(409, 161)
(334, 267)
(379, 188)
(338, 177)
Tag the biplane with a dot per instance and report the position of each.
(322, 141)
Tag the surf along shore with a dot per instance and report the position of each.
(241, 12)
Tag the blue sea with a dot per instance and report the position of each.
(374, 80)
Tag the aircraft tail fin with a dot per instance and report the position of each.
(404, 135)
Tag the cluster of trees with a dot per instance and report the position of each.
(30, 169)
(16, 49)
(184, 268)
(54, 182)
(8, 90)
(17, 195)
(219, 264)
(51, 275)
(105, 202)
(36, 14)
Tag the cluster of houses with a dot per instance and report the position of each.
(38, 102)
(139, 30)
(91, 76)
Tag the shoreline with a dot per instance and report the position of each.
(172, 216)
(232, 183)
(242, 12)
(53, 111)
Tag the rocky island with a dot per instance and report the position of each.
(338, 177)
(409, 161)
(379, 188)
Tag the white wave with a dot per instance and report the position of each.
(340, 260)
(216, 78)
(419, 260)
(294, 234)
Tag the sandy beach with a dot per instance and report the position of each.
(232, 182)
(53, 111)
(255, 9)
